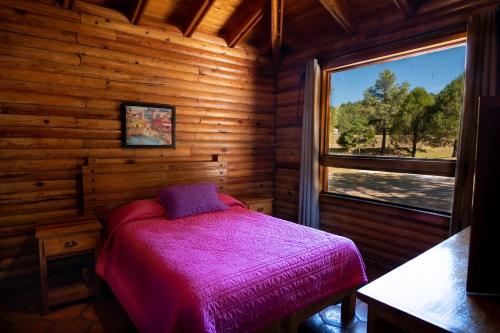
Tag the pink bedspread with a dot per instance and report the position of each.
(228, 271)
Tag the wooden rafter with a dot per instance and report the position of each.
(251, 20)
(343, 14)
(289, 38)
(137, 9)
(277, 10)
(198, 17)
(408, 7)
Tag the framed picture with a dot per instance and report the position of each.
(148, 125)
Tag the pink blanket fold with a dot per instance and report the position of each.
(227, 271)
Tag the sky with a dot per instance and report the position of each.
(432, 71)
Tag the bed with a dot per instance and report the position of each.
(227, 271)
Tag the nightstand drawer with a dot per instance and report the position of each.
(265, 207)
(70, 243)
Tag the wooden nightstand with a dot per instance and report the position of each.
(259, 204)
(76, 240)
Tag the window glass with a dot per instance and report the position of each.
(408, 107)
(422, 191)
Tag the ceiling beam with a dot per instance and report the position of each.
(289, 38)
(343, 14)
(235, 35)
(137, 8)
(408, 7)
(198, 17)
(277, 10)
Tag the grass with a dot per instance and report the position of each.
(436, 152)
(374, 149)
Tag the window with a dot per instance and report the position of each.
(392, 129)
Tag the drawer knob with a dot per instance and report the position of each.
(69, 244)
(260, 209)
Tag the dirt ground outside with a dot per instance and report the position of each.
(430, 192)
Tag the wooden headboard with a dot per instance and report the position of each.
(106, 186)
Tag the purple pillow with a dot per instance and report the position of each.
(186, 200)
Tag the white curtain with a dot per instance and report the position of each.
(309, 162)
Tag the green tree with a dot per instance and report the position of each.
(445, 121)
(411, 123)
(354, 125)
(333, 123)
(385, 98)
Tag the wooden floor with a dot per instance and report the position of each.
(19, 312)
(328, 321)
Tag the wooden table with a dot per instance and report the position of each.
(427, 294)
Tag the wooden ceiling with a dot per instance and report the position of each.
(275, 26)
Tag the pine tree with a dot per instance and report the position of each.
(445, 121)
(411, 123)
(353, 124)
(333, 123)
(385, 98)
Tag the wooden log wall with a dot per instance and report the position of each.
(63, 75)
(385, 235)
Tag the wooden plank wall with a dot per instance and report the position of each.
(385, 235)
(63, 75)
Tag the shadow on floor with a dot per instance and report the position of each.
(19, 313)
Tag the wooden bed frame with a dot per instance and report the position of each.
(290, 323)
(107, 185)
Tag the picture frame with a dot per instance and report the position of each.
(146, 125)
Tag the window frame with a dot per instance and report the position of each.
(432, 167)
